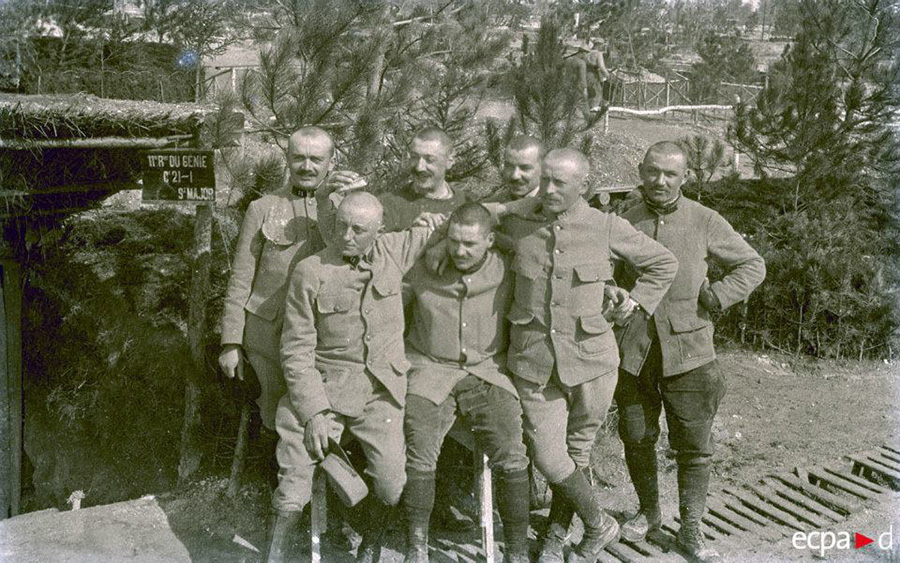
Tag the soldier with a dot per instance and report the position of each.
(430, 155)
(344, 364)
(590, 73)
(457, 348)
(521, 171)
(278, 230)
(669, 358)
(562, 353)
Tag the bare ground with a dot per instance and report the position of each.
(779, 413)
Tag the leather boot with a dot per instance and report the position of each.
(693, 484)
(600, 529)
(417, 503)
(513, 502)
(280, 534)
(642, 468)
(556, 535)
(375, 519)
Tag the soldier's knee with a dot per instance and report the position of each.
(388, 490)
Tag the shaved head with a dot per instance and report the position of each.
(523, 142)
(363, 204)
(434, 134)
(666, 149)
(309, 133)
(571, 158)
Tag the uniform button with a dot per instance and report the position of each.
(552, 331)
(463, 350)
(558, 228)
(464, 324)
(367, 311)
(555, 303)
(368, 337)
(468, 280)
(661, 222)
(557, 251)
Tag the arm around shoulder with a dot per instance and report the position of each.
(655, 264)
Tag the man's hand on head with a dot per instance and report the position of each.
(431, 220)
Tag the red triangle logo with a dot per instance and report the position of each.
(862, 541)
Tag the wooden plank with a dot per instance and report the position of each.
(892, 448)
(318, 514)
(722, 524)
(745, 518)
(625, 553)
(776, 514)
(841, 484)
(11, 398)
(892, 452)
(486, 501)
(606, 557)
(839, 504)
(873, 465)
(888, 454)
(796, 510)
(803, 500)
(884, 461)
(843, 473)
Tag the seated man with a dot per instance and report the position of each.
(457, 348)
(345, 366)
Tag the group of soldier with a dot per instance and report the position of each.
(386, 319)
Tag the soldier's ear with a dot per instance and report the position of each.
(491, 239)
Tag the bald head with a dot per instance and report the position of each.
(358, 223)
(571, 159)
(563, 180)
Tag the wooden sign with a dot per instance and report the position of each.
(178, 175)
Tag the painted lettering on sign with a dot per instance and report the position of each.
(178, 175)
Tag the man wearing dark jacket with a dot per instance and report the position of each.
(668, 358)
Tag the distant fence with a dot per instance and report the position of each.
(626, 92)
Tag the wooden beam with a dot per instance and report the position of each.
(110, 187)
(95, 143)
(11, 398)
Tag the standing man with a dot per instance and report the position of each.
(668, 359)
(278, 230)
(430, 155)
(590, 74)
(562, 351)
(345, 367)
(457, 348)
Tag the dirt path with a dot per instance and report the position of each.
(779, 413)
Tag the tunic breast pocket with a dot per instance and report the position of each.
(331, 321)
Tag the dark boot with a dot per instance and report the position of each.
(280, 535)
(375, 518)
(693, 484)
(417, 502)
(556, 535)
(600, 529)
(642, 467)
(513, 503)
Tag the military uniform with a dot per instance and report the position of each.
(562, 352)
(669, 358)
(342, 351)
(456, 345)
(401, 208)
(277, 232)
